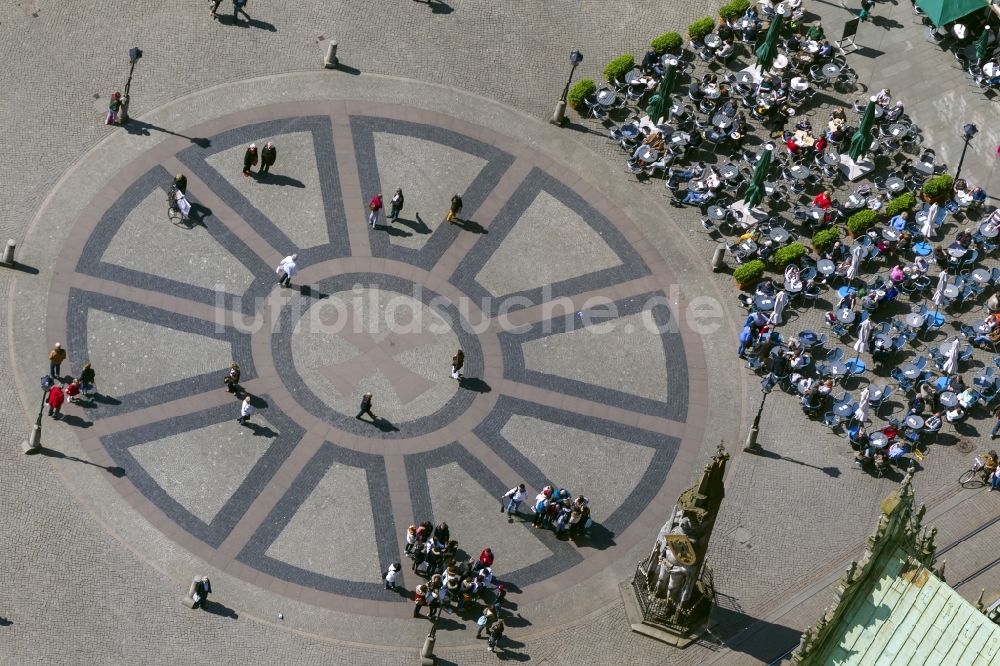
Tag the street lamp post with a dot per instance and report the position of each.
(968, 131)
(751, 445)
(134, 54)
(559, 117)
(34, 442)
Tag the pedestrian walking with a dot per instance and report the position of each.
(419, 598)
(286, 270)
(512, 499)
(55, 401)
(232, 378)
(267, 157)
(114, 106)
(411, 539)
(249, 157)
(485, 559)
(455, 209)
(215, 8)
(433, 604)
(866, 9)
(238, 7)
(395, 205)
(87, 379)
(484, 621)
(202, 589)
(496, 633)
(366, 407)
(500, 597)
(392, 575)
(56, 357)
(457, 361)
(374, 206)
(246, 410)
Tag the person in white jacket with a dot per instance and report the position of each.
(512, 499)
(286, 270)
(246, 410)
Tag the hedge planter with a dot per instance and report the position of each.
(619, 67)
(749, 274)
(822, 241)
(733, 10)
(859, 223)
(790, 254)
(668, 42)
(700, 28)
(580, 91)
(938, 188)
(904, 203)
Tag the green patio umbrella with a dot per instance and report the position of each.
(862, 139)
(656, 108)
(767, 51)
(755, 193)
(942, 12)
(982, 44)
(667, 83)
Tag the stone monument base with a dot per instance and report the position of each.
(854, 170)
(662, 633)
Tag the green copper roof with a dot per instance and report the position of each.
(909, 617)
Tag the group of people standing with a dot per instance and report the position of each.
(70, 388)
(375, 205)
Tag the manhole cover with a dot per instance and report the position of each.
(965, 446)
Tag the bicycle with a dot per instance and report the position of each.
(975, 477)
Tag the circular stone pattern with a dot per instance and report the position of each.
(576, 368)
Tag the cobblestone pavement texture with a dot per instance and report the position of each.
(71, 567)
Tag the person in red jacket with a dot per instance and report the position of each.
(822, 200)
(374, 206)
(55, 401)
(73, 390)
(485, 559)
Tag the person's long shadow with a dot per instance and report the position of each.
(142, 128)
(308, 292)
(384, 425)
(258, 402)
(261, 431)
(474, 384)
(470, 226)
(418, 226)
(277, 179)
(52, 453)
(215, 608)
(392, 230)
(105, 399)
(74, 421)
(196, 218)
(227, 19)
(598, 537)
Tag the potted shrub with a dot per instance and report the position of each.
(619, 67)
(859, 223)
(789, 254)
(700, 28)
(668, 42)
(733, 10)
(822, 241)
(904, 202)
(580, 91)
(749, 273)
(938, 188)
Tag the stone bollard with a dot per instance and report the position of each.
(189, 599)
(427, 657)
(718, 258)
(331, 62)
(8, 253)
(559, 115)
(750, 445)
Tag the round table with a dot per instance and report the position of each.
(831, 71)
(879, 111)
(890, 234)
(988, 230)
(956, 252)
(800, 172)
(831, 159)
(914, 421)
(729, 171)
(798, 83)
(744, 78)
(856, 366)
(780, 62)
(825, 267)
(677, 110)
(670, 60)
(630, 131)
(763, 303)
(923, 248)
(778, 234)
(633, 75)
(948, 398)
(950, 291)
(915, 320)
(711, 92)
(680, 138)
(846, 315)
(837, 369)
(878, 439)
(910, 371)
(647, 154)
(606, 97)
(816, 213)
(885, 341)
(898, 129)
(895, 184)
(843, 409)
(722, 121)
(808, 338)
(712, 41)
(991, 69)
(716, 213)
(981, 276)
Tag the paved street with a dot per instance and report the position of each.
(300, 511)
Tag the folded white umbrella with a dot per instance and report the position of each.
(861, 413)
(780, 301)
(951, 363)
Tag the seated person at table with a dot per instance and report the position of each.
(858, 438)
(825, 387)
(880, 354)
(991, 338)
(895, 112)
(964, 238)
(835, 136)
(729, 108)
(812, 401)
(956, 384)
(751, 31)
(822, 200)
(900, 221)
(766, 287)
(825, 50)
(847, 302)
(655, 141)
(954, 414)
(698, 198)
(872, 455)
(695, 93)
(725, 50)
(724, 32)
(929, 394)
(898, 450)
(792, 44)
(792, 277)
(968, 397)
(815, 32)
(897, 274)
(940, 255)
(933, 422)
(651, 63)
(883, 97)
(916, 405)
(792, 146)
(710, 79)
